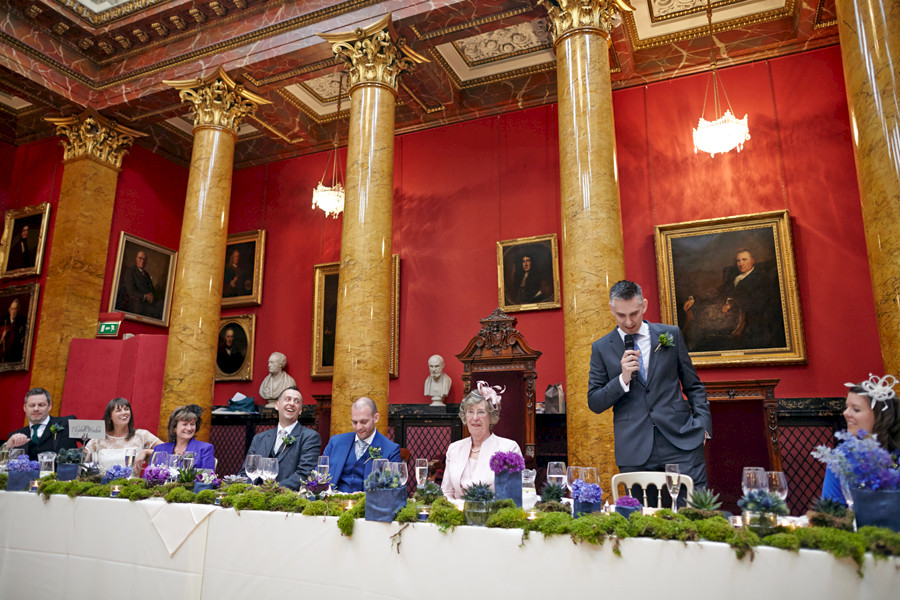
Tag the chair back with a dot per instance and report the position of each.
(646, 479)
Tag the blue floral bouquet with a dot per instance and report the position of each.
(587, 497)
(21, 464)
(507, 468)
(117, 472)
(21, 472)
(860, 462)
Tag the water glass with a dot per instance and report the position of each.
(15, 453)
(159, 459)
(556, 473)
(322, 466)
(175, 461)
(4, 458)
(130, 457)
(379, 465)
(187, 460)
(572, 473)
(589, 475)
(268, 469)
(403, 472)
(251, 466)
(777, 483)
(754, 479)
(421, 472)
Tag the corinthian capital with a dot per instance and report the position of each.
(218, 100)
(90, 134)
(569, 15)
(374, 54)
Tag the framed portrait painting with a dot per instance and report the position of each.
(325, 297)
(234, 352)
(143, 281)
(730, 285)
(24, 239)
(528, 274)
(244, 256)
(18, 308)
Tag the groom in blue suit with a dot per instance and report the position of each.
(644, 373)
(350, 454)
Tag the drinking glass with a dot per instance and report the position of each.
(175, 461)
(4, 457)
(251, 466)
(187, 460)
(572, 473)
(754, 479)
(777, 483)
(88, 461)
(159, 459)
(421, 472)
(556, 473)
(589, 475)
(673, 482)
(403, 472)
(130, 457)
(15, 453)
(379, 465)
(322, 466)
(268, 469)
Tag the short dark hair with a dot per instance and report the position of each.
(189, 412)
(288, 388)
(38, 391)
(625, 290)
(747, 250)
(107, 416)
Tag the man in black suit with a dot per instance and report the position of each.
(139, 289)
(21, 256)
(297, 448)
(13, 329)
(43, 433)
(229, 357)
(660, 411)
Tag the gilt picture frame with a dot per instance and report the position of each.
(234, 350)
(242, 283)
(528, 274)
(24, 240)
(143, 281)
(18, 311)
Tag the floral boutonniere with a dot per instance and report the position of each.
(666, 340)
(56, 428)
(374, 453)
(288, 440)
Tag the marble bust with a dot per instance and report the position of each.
(437, 386)
(276, 381)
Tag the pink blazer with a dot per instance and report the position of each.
(458, 456)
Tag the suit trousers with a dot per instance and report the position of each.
(692, 463)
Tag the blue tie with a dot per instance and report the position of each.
(641, 370)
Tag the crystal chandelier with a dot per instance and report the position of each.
(724, 133)
(330, 199)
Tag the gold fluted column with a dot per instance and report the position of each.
(870, 48)
(375, 58)
(94, 149)
(219, 106)
(591, 222)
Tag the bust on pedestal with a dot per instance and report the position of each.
(276, 381)
(437, 386)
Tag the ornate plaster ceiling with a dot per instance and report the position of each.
(487, 57)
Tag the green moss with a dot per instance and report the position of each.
(98, 491)
(47, 487)
(552, 506)
(715, 529)
(408, 514)
(345, 523)
(551, 523)
(285, 503)
(445, 515)
(80, 488)
(880, 541)
(508, 518)
(249, 500)
(594, 528)
(140, 494)
(120, 481)
(180, 495)
(236, 488)
(316, 508)
(503, 503)
(3, 478)
(840, 543)
(697, 514)
(664, 525)
(743, 541)
(206, 497)
(334, 509)
(785, 541)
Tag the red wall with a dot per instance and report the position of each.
(459, 189)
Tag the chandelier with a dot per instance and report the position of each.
(330, 199)
(724, 133)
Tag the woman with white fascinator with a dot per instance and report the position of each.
(468, 460)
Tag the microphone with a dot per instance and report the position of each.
(629, 341)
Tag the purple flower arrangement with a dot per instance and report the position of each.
(628, 502)
(316, 484)
(20, 464)
(157, 474)
(586, 492)
(209, 478)
(861, 462)
(507, 462)
(118, 472)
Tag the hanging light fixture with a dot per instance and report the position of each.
(331, 198)
(724, 133)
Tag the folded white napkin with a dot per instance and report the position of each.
(175, 522)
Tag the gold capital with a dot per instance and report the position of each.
(93, 135)
(567, 16)
(218, 100)
(374, 54)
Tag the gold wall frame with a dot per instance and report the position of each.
(730, 285)
(528, 274)
(236, 365)
(325, 319)
(242, 283)
(131, 293)
(17, 325)
(25, 258)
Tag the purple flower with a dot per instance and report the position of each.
(507, 462)
(157, 474)
(628, 501)
(861, 462)
(118, 472)
(586, 492)
(316, 484)
(210, 478)
(21, 464)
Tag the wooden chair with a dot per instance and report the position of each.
(644, 479)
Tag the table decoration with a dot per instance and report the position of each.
(116, 472)
(827, 512)
(422, 514)
(384, 495)
(114, 491)
(68, 464)
(477, 498)
(625, 505)
(317, 484)
(157, 474)
(21, 472)
(588, 498)
(761, 510)
(206, 481)
(48, 463)
(507, 468)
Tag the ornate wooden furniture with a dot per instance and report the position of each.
(499, 355)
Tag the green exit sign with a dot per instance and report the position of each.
(110, 329)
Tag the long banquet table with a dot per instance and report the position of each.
(100, 548)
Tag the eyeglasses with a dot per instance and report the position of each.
(476, 413)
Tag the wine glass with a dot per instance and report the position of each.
(251, 466)
(130, 457)
(379, 465)
(4, 457)
(754, 479)
(421, 472)
(556, 473)
(572, 473)
(187, 460)
(673, 482)
(159, 459)
(175, 461)
(589, 475)
(777, 483)
(268, 469)
(15, 453)
(403, 472)
(322, 466)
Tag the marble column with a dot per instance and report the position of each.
(219, 105)
(592, 255)
(374, 57)
(870, 48)
(94, 149)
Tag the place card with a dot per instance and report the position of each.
(83, 428)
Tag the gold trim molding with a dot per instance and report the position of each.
(92, 135)
(219, 101)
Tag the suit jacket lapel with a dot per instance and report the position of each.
(654, 356)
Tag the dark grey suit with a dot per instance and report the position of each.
(295, 461)
(48, 442)
(657, 403)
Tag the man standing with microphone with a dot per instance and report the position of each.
(644, 372)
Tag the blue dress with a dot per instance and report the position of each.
(831, 487)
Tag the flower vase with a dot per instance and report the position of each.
(476, 513)
(67, 471)
(762, 524)
(626, 511)
(382, 505)
(199, 487)
(586, 508)
(508, 486)
(880, 508)
(18, 480)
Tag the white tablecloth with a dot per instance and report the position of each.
(108, 548)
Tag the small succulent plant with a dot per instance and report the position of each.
(552, 493)
(705, 500)
(70, 456)
(429, 493)
(829, 506)
(478, 492)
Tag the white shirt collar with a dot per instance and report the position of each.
(283, 431)
(644, 330)
(369, 439)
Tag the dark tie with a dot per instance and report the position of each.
(34, 435)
